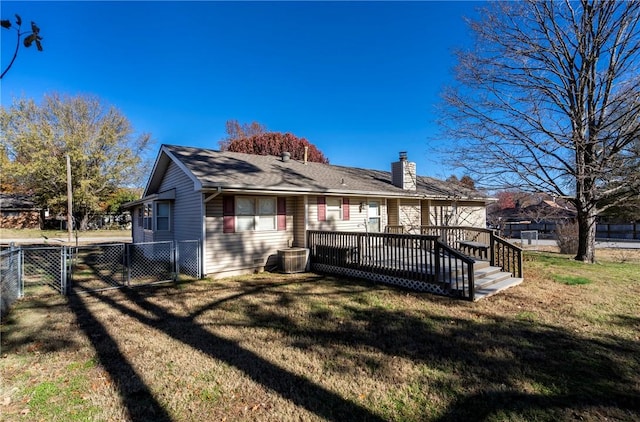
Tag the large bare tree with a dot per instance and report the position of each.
(549, 100)
(104, 151)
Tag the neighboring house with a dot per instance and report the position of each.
(538, 212)
(18, 212)
(243, 208)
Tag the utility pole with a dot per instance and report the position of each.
(69, 200)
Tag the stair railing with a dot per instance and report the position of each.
(506, 255)
(460, 274)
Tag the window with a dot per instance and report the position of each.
(163, 210)
(374, 217)
(148, 216)
(141, 216)
(334, 209)
(255, 213)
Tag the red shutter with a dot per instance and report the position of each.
(228, 214)
(282, 213)
(345, 208)
(322, 209)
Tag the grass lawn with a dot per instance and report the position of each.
(564, 345)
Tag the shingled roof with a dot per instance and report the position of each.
(17, 202)
(211, 170)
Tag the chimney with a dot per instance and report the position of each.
(403, 173)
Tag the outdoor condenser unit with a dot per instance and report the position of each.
(293, 260)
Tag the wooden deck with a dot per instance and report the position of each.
(419, 262)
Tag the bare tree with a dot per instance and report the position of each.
(32, 37)
(548, 100)
(236, 130)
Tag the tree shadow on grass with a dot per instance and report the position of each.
(510, 366)
(139, 400)
(134, 393)
(507, 368)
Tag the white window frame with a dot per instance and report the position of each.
(374, 219)
(256, 213)
(333, 208)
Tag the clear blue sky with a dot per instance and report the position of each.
(360, 80)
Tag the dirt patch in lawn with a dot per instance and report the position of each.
(309, 347)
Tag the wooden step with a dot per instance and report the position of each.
(484, 271)
(492, 276)
(493, 288)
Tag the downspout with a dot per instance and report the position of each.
(306, 220)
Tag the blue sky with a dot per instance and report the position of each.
(360, 80)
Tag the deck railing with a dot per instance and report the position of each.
(506, 255)
(501, 253)
(420, 258)
(453, 235)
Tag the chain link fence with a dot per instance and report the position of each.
(98, 267)
(150, 263)
(25, 270)
(12, 287)
(188, 258)
(45, 266)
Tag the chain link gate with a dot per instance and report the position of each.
(98, 267)
(45, 266)
(11, 287)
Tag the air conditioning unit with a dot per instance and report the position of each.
(293, 260)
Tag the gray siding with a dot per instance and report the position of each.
(236, 253)
(137, 233)
(186, 210)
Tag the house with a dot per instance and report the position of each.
(18, 212)
(539, 212)
(243, 208)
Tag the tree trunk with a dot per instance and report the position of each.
(84, 222)
(586, 235)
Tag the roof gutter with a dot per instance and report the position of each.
(216, 193)
(341, 192)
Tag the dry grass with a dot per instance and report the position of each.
(309, 347)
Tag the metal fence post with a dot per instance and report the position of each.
(19, 271)
(64, 258)
(129, 261)
(176, 259)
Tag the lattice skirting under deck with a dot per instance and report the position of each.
(419, 286)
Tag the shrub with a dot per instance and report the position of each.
(567, 237)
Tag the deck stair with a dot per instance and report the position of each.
(491, 280)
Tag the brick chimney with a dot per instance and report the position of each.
(403, 173)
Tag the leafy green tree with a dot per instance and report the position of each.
(119, 197)
(105, 152)
(547, 100)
